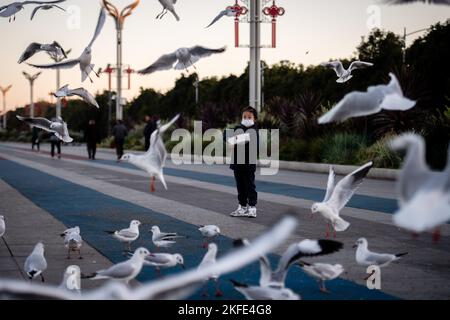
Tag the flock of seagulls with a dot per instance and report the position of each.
(418, 188)
(10, 10)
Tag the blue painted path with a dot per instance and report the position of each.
(95, 212)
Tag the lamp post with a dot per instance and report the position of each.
(4, 92)
(404, 40)
(196, 86)
(119, 19)
(31, 79)
(58, 58)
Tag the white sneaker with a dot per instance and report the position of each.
(251, 212)
(240, 212)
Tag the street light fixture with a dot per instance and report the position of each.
(31, 79)
(4, 92)
(119, 18)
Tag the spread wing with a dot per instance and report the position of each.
(86, 96)
(336, 66)
(60, 65)
(330, 184)
(217, 18)
(345, 188)
(360, 65)
(165, 62)
(30, 51)
(100, 24)
(203, 52)
(40, 123)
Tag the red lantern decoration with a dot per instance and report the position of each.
(274, 11)
(238, 11)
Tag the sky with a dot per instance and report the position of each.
(326, 28)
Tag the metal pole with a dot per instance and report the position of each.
(255, 55)
(119, 111)
(4, 111)
(404, 46)
(31, 98)
(58, 100)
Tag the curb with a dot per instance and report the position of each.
(374, 173)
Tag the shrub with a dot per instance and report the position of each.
(380, 154)
(343, 148)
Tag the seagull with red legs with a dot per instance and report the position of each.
(337, 196)
(154, 160)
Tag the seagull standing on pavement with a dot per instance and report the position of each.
(2, 226)
(209, 231)
(36, 264)
(345, 75)
(154, 160)
(73, 241)
(423, 194)
(322, 272)
(72, 279)
(128, 235)
(228, 12)
(11, 9)
(163, 239)
(54, 48)
(375, 99)
(84, 61)
(181, 59)
(45, 7)
(365, 257)
(58, 127)
(164, 260)
(80, 92)
(209, 259)
(168, 5)
(337, 196)
(124, 271)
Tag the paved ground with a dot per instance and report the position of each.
(40, 196)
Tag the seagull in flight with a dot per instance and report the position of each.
(343, 74)
(264, 293)
(80, 92)
(423, 194)
(228, 12)
(154, 160)
(168, 5)
(58, 127)
(45, 7)
(10, 10)
(372, 101)
(337, 196)
(84, 61)
(181, 59)
(54, 48)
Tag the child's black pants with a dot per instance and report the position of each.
(245, 182)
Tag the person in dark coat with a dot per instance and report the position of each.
(148, 130)
(119, 133)
(92, 137)
(243, 164)
(35, 138)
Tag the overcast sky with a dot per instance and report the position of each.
(325, 28)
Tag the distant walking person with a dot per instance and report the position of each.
(148, 130)
(55, 142)
(91, 136)
(119, 132)
(35, 139)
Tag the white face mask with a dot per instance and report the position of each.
(247, 123)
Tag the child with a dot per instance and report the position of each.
(244, 170)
